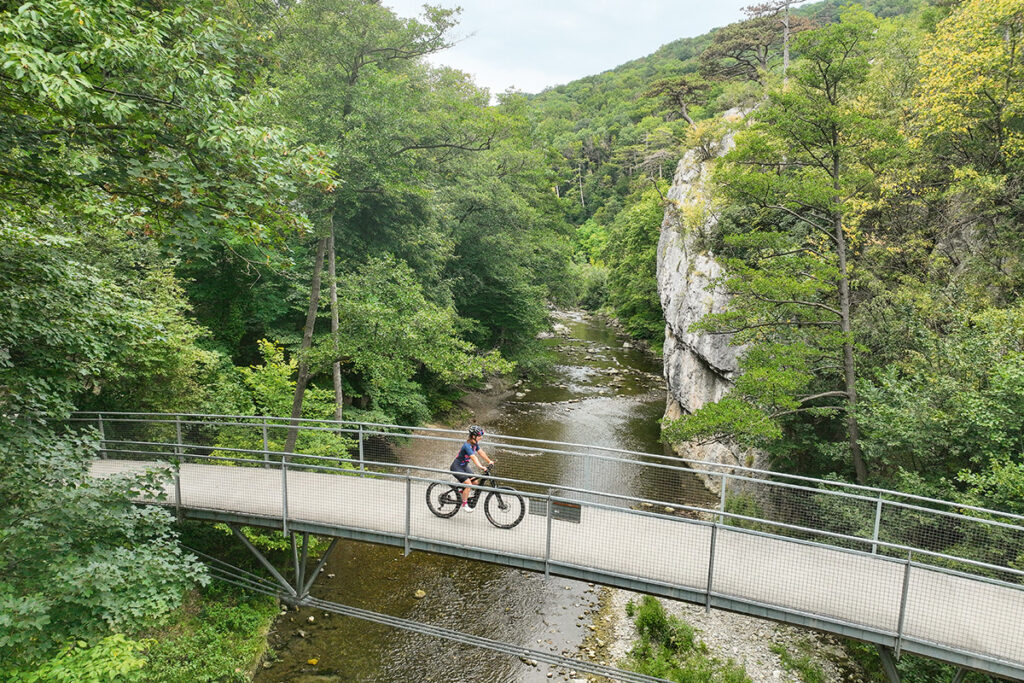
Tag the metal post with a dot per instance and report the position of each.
(547, 549)
(177, 430)
(721, 503)
(263, 560)
(878, 525)
(266, 444)
(319, 566)
(360, 448)
(177, 492)
(295, 558)
(711, 565)
(103, 438)
(408, 511)
(300, 570)
(284, 494)
(903, 602)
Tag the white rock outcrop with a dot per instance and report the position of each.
(699, 367)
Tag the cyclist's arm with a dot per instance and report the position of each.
(476, 460)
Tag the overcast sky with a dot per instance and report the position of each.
(530, 45)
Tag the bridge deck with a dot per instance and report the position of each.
(964, 620)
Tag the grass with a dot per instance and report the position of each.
(670, 648)
(801, 663)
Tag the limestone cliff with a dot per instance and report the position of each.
(699, 368)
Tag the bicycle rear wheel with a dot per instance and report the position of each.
(443, 499)
(504, 507)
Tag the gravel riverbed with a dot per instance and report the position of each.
(746, 640)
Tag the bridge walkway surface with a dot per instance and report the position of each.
(968, 620)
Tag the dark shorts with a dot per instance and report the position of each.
(462, 472)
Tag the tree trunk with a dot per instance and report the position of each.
(849, 371)
(582, 202)
(336, 368)
(785, 44)
(307, 342)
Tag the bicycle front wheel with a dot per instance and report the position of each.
(443, 499)
(504, 507)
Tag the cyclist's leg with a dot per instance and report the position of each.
(464, 478)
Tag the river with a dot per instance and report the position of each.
(602, 392)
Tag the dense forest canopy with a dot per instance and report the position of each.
(282, 208)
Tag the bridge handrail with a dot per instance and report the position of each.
(671, 462)
(286, 454)
(909, 551)
(789, 506)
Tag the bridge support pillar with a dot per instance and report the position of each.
(889, 664)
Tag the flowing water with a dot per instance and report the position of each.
(602, 392)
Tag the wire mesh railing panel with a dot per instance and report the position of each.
(974, 537)
(634, 544)
(807, 578)
(998, 633)
(328, 496)
(242, 490)
(798, 508)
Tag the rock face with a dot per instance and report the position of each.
(699, 368)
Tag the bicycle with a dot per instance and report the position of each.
(503, 505)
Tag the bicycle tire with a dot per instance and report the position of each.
(504, 507)
(443, 500)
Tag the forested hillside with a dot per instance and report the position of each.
(283, 208)
(869, 219)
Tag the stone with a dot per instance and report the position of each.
(699, 368)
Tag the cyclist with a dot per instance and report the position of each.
(470, 451)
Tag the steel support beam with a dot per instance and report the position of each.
(292, 593)
(316, 570)
(889, 664)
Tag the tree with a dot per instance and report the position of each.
(973, 87)
(742, 50)
(631, 254)
(128, 131)
(779, 9)
(351, 77)
(804, 166)
(680, 93)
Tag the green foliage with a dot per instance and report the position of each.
(217, 639)
(140, 115)
(77, 557)
(953, 407)
(631, 255)
(113, 658)
(393, 335)
(669, 648)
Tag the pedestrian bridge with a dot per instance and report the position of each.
(906, 573)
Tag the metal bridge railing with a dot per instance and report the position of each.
(970, 539)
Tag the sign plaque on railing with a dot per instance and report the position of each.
(561, 510)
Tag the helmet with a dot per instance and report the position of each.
(476, 431)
